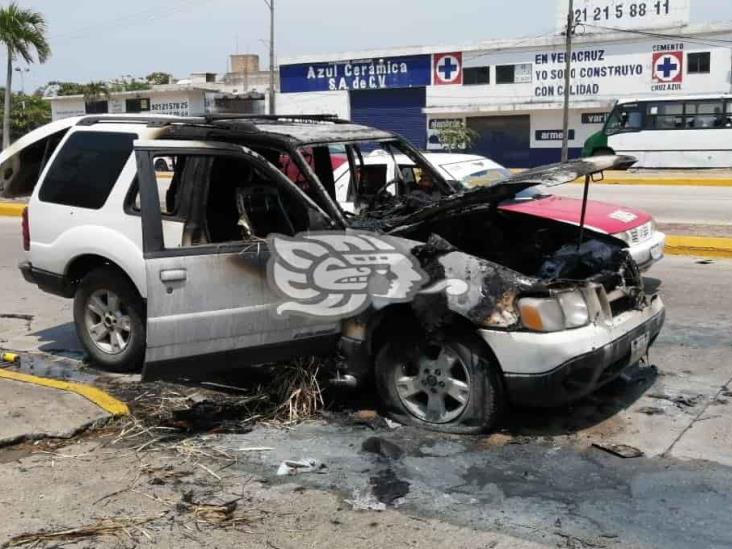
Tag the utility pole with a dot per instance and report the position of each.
(270, 5)
(567, 70)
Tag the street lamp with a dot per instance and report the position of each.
(270, 5)
(22, 73)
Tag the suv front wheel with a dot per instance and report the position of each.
(446, 385)
(110, 320)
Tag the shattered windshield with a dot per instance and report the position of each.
(365, 175)
(474, 173)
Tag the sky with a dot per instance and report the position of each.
(102, 39)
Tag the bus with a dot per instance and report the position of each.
(675, 132)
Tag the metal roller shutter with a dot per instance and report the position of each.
(397, 110)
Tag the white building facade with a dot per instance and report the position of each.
(241, 90)
(511, 91)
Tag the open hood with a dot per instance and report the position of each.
(21, 163)
(550, 175)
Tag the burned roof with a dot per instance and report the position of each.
(324, 132)
(300, 129)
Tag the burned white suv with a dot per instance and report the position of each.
(242, 254)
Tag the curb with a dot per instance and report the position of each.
(97, 396)
(11, 209)
(669, 181)
(698, 245)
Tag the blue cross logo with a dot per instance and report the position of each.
(446, 67)
(667, 67)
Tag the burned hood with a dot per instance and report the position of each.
(412, 210)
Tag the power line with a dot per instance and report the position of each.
(684, 37)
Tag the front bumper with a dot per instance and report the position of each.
(549, 369)
(648, 252)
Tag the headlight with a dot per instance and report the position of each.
(641, 233)
(625, 236)
(552, 314)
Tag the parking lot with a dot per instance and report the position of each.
(548, 477)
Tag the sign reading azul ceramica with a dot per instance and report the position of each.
(364, 74)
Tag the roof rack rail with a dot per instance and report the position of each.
(149, 120)
(274, 117)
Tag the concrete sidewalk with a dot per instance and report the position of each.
(35, 408)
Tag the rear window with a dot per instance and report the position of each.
(86, 169)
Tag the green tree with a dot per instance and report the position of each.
(22, 31)
(457, 137)
(27, 112)
(159, 78)
(95, 91)
(56, 87)
(132, 84)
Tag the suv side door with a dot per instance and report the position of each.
(213, 297)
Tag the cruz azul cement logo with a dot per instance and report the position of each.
(337, 274)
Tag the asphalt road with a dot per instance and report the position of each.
(668, 204)
(545, 482)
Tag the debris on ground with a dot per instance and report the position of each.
(374, 421)
(296, 387)
(365, 501)
(620, 450)
(214, 514)
(9, 357)
(304, 465)
(164, 412)
(651, 411)
(387, 488)
(103, 527)
(382, 447)
(681, 401)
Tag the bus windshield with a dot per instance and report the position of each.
(625, 117)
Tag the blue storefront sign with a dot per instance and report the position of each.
(364, 74)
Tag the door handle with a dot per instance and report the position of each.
(173, 275)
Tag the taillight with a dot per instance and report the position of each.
(26, 230)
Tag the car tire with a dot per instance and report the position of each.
(417, 365)
(109, 315)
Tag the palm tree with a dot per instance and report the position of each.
(22, 31)
(95, 91)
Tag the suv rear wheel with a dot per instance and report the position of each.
(110, 320)
(448, 385)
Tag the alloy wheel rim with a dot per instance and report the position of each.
(107, 322)
(434, 386)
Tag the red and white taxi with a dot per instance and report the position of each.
(636, 227)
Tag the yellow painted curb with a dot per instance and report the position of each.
(615, 177)
(97, 396)
(671, 181)
(11, 209)
(706, 246)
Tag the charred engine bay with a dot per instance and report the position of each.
(532, 246)
(502, 255)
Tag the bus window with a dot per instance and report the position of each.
(624, 118)
(666, 115)
(706, 114)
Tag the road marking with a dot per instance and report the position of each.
(97, 396)
(698, 245)
(11, 209)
